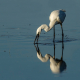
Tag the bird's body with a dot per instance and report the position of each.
(56, 17)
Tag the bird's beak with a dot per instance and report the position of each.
(36, 38)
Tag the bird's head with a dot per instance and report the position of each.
(38, 32)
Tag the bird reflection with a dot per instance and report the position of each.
(56, 65)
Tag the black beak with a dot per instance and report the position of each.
(36, 38)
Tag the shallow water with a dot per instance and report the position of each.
(18, 56)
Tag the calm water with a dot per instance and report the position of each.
(18, 23)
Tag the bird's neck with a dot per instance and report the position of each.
(51, 25)
(45, 27)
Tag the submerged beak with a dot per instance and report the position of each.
(36, 38)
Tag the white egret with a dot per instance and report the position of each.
(56, 17)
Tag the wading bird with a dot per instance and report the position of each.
(56, 17)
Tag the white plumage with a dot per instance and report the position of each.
(56, 17)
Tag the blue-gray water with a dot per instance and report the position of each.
(19, 20)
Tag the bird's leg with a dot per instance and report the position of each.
(62, 42)
(62, 48)
(54, 34)
(62, 29)
(54, 51)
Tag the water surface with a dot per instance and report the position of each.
(18, 23)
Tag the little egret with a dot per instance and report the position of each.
(56, 17)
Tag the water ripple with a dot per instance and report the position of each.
(49, 42)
